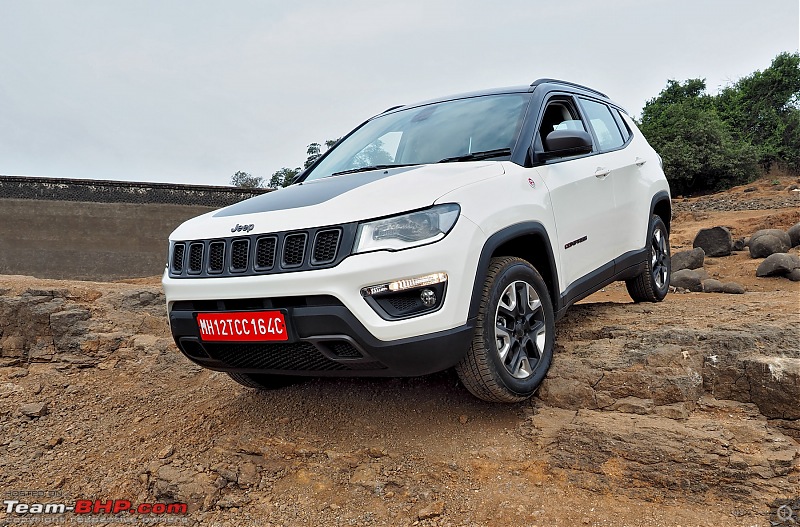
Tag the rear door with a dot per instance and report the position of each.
(612, 138)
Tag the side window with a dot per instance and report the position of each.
(623, 126)
(604, 125)
(559, 115)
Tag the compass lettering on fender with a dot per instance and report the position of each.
(576, 242)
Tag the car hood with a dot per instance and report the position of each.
(339, 199)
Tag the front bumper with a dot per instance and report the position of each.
(335, 330)
(326, 340)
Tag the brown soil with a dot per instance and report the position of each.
(644, 419)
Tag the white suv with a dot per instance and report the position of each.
(450, 233)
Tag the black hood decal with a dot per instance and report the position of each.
(308, 194)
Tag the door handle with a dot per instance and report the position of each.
(639, 161)
(601, 172)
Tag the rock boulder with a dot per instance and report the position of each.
(732, 288)
(688, 259)
(769, 241)
(712, 286)
(716, 241)
(687, 279)
(778, 264)
(794, 234)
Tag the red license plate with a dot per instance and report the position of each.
(246, 326)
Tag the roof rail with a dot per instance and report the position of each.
(392, 108)
(537, 82)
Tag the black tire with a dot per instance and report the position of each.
(263, 381)
(653, 284)
(513, 343)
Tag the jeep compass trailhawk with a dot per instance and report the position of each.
(449, 233)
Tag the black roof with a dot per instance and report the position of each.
(499, 91)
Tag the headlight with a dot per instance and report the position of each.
(407, 230)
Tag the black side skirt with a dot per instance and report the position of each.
(625, 267)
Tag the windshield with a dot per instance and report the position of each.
(483, 127)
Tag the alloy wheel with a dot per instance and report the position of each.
(659, 257)
(520, 331)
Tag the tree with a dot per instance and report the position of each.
(763, 108)
(283, 177)
(713, 142)
(313, 151)
(245, 180)
(697, 147)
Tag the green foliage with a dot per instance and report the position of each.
(691, 91)
(697, 147)
(313, 151)
(285, 176)
(245, 180)
(763, 109)
(282, 177)
(714, 142)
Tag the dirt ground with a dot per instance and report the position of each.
(682, 413)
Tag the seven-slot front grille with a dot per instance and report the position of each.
(256, 254)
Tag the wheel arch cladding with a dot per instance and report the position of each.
(528, 241)
(662, 206)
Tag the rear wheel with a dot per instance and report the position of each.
(513, 343)
(652, 285)
(263, 381)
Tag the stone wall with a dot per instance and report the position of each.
(96, 230)
(98, 191)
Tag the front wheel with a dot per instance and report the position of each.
(653, 283)
(513, 343)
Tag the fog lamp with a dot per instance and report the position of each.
(428, 297)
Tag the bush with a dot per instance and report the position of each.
(712, 143)
(697, 147)
(762, 109)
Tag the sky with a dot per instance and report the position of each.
(192, 91)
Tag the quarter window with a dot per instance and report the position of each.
(604, 125)
(623, 126)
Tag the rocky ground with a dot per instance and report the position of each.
(682, 413)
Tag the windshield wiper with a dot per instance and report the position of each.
(477, 156)
(372, 167)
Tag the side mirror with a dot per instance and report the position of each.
(563, 143)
